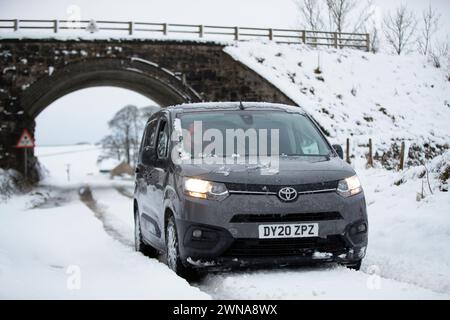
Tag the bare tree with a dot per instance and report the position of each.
(311, 14)
(112, 146)
(440, 55)
(362, 17)
(399, 29)
(339, 11)
(126, 128)
(430, 21)
(374, 34)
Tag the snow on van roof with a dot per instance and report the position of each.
(235, 104)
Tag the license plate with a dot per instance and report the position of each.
(293, 230)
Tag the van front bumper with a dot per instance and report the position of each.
(225, 233)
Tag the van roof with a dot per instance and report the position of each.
(235, 105)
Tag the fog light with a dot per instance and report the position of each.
(197, 233)
(362, 227)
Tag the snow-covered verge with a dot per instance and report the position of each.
(409, 224)
(360, 95)
(64, 253)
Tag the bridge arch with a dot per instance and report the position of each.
(142, 76)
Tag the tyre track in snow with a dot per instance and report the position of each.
(85, 194)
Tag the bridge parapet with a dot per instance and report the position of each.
(89, 29)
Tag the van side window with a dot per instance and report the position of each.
(150, 133)
(163, 139)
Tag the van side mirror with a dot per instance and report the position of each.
(339, 151)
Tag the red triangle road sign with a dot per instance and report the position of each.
(25, 141)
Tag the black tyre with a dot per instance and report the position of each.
(354, 266)
(172, 250)
(139, 244)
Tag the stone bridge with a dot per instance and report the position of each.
(34, 73)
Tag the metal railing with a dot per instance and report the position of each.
(149, 29)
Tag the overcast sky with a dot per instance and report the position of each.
(264, 13)
(82, 116)
(101, 103)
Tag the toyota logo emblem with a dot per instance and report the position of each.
(287, 194)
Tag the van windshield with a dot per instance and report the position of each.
(250, 133)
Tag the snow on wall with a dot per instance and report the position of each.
(355, 94)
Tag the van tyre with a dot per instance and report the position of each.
(172, 250)
(355, 266)
(139, 244)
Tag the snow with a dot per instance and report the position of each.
(408, 240)
(116, 35)
(117, 213)
(83, 165)
(108, 164)
(310, 283)
(394, 97)
(41, 250)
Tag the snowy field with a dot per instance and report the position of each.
(49, 237)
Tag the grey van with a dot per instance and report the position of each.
(208, 208)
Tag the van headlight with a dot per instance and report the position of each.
(349, 186)
(203, 189)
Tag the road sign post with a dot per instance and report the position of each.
(25, 142)
(25, 169)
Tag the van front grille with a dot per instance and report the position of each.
(262, 188)
(298, 217)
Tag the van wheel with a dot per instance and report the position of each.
(354, 266)
(172, 250)
(139, 244)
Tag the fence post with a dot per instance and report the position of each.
(236, 33)
(130, 28)
(165, 29)
(16, 24)
(347, 151)
(270, 34)
(200, 31)
(368, 42)
(304, 36)
(335, 35)
(370, 160)
(55, 26)
(402, 155)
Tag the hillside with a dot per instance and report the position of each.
(360, 95)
